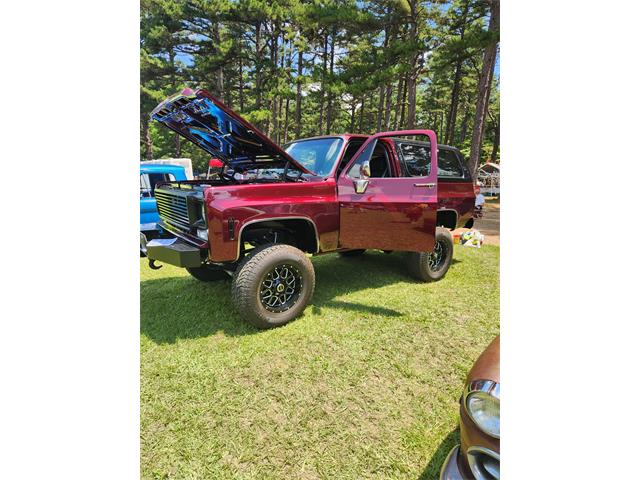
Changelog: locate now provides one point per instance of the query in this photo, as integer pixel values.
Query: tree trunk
(484, 87)
(229, 88)
(287, 53)
(496, 142)
(286, 121)
(176, 138)
(404, 103)
(457, 79)
(219, 71)
(380, 108)
(322, 82)
(353, 115)
(241, 85)
(274, 73)
(364, 100)
(299, 95)
(387, 106)
(465, 125)
(258, 71)
(396, 116)
(279, 121)
(330, 94)
(178, 146)
(148, 142)
(411, 99)
(453, 109)
(412, 76)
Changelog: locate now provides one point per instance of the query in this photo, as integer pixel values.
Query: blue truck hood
(204, 120)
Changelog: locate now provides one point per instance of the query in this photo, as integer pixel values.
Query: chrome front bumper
(480, 464)
(450, 470)
(145, 227)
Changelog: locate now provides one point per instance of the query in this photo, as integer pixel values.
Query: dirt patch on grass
(489, 224)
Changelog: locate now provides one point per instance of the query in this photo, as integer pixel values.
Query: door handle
(427, 185)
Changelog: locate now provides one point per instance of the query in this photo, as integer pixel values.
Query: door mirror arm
(360, 185)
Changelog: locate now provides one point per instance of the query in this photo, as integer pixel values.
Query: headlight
(203, 234)
(482, 402)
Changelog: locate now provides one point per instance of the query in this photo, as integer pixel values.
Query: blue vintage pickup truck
(150, 175)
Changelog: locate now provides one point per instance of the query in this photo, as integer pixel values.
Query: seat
(378, 164)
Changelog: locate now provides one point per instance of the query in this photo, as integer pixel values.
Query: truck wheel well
(294, 231)
(447, 219)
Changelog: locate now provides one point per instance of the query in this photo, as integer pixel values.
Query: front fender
(230, 209)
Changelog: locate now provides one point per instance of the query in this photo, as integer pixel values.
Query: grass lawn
(364, 385)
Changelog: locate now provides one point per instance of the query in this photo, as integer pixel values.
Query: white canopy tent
(489, 178)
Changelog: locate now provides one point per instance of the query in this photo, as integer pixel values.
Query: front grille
(173, 208)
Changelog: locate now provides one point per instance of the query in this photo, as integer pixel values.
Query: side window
(145, 186)
(465, 168)
(354, 171)
(378, 157)
(352, 148)
(449, 165)
(415, 160)
(148, 182)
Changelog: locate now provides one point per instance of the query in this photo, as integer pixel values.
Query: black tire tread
(247, 274)
(415, 259)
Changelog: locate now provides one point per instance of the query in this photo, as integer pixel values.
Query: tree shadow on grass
(432, 471)
(356, 307)
(176, 308)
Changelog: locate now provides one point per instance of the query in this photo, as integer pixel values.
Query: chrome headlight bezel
(487, 387)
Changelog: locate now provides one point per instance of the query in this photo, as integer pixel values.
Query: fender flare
(281, 218)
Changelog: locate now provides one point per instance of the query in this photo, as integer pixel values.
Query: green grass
(364, 385)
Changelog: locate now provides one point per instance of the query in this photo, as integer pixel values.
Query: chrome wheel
(280, 288)
(436, 259)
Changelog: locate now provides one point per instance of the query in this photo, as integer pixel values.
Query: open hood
(204, 120)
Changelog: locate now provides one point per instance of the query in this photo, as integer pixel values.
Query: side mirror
(365, 170)
(360, 184)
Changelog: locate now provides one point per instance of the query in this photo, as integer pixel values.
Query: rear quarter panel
(314, 200)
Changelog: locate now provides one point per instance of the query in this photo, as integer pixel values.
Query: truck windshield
(318, 156)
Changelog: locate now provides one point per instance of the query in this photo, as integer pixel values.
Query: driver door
(389, 212)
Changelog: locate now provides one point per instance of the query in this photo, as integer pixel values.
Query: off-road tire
(208, 273)
(352, 253)
(418, 262)
(249, 278)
